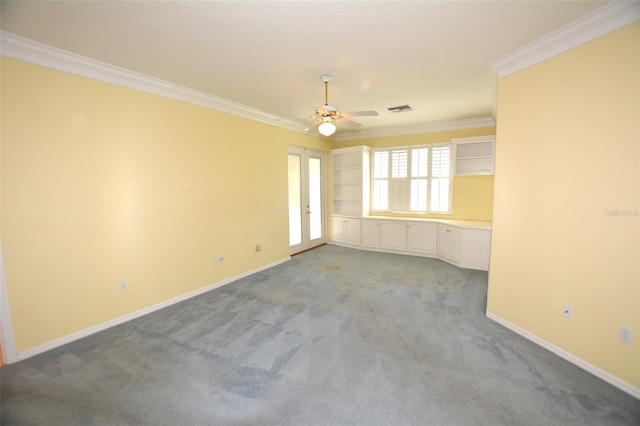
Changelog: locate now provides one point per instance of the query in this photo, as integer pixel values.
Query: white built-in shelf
(474, 156)
(350, 187)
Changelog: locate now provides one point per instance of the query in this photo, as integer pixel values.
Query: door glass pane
(295, 211)
(315, 199)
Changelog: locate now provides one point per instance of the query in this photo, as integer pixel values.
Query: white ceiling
(269, 55)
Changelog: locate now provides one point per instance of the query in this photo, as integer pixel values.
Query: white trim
(21, 48)
(439, 126)
(472, 139)
(609, 17)
(133, 315)
(6, 331)
(596, 371)
(27, 50)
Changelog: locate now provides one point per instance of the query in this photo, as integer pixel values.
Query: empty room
(320, 213)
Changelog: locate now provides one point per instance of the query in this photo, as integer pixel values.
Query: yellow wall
(472, 197)
(567, 185)
(102, 183)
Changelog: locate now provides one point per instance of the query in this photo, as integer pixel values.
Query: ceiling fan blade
(312, 126)
(348, 122)
(360, 114)
(295, 118)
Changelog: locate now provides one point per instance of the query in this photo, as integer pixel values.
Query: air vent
(400, 108)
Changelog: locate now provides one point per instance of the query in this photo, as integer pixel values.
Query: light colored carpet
(336, 336)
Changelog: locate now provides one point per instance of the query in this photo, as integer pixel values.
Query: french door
(307, 210)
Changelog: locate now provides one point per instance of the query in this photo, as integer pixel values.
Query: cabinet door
(476, 246)
(353, 232)
(454, 251)
(393, 235)
(338, 229)
(444, 241)
(422, 238)
(449, 240)
(371, 233)
(346, 230)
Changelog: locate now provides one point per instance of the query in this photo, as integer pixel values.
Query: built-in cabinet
(393, 236)
(449, 239)
(371, 234)
(349, 193)
(466, 244)
(408, 237)
(462, 243)
(466, 247)
(475, 247)
(346, 230)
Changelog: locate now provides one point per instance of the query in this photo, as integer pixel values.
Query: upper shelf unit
(474, 156)
(350, 181)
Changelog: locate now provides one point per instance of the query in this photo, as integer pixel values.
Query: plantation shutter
(380, 172)
(411, 179)
(440, 178)
(399, 188)
(419, 179)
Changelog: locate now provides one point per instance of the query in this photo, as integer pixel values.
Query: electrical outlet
(218, 259)
(258, 247)
(624, 334)
(567, 311)
(123, 285)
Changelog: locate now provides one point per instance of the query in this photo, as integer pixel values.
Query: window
(412, 179)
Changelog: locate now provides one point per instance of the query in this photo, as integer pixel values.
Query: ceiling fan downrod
(326, 79)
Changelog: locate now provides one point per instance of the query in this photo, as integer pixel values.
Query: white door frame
(305, 154)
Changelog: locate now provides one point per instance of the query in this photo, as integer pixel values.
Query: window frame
(407, 200)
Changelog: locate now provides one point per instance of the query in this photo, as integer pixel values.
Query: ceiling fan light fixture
(327, 128)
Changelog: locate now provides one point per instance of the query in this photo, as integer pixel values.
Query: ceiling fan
(327, 116)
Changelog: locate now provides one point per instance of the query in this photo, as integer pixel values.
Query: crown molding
(17, 47)
(439, 126)
(609, 17)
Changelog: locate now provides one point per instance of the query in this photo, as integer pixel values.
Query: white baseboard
(596, 371)
(133, 315)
